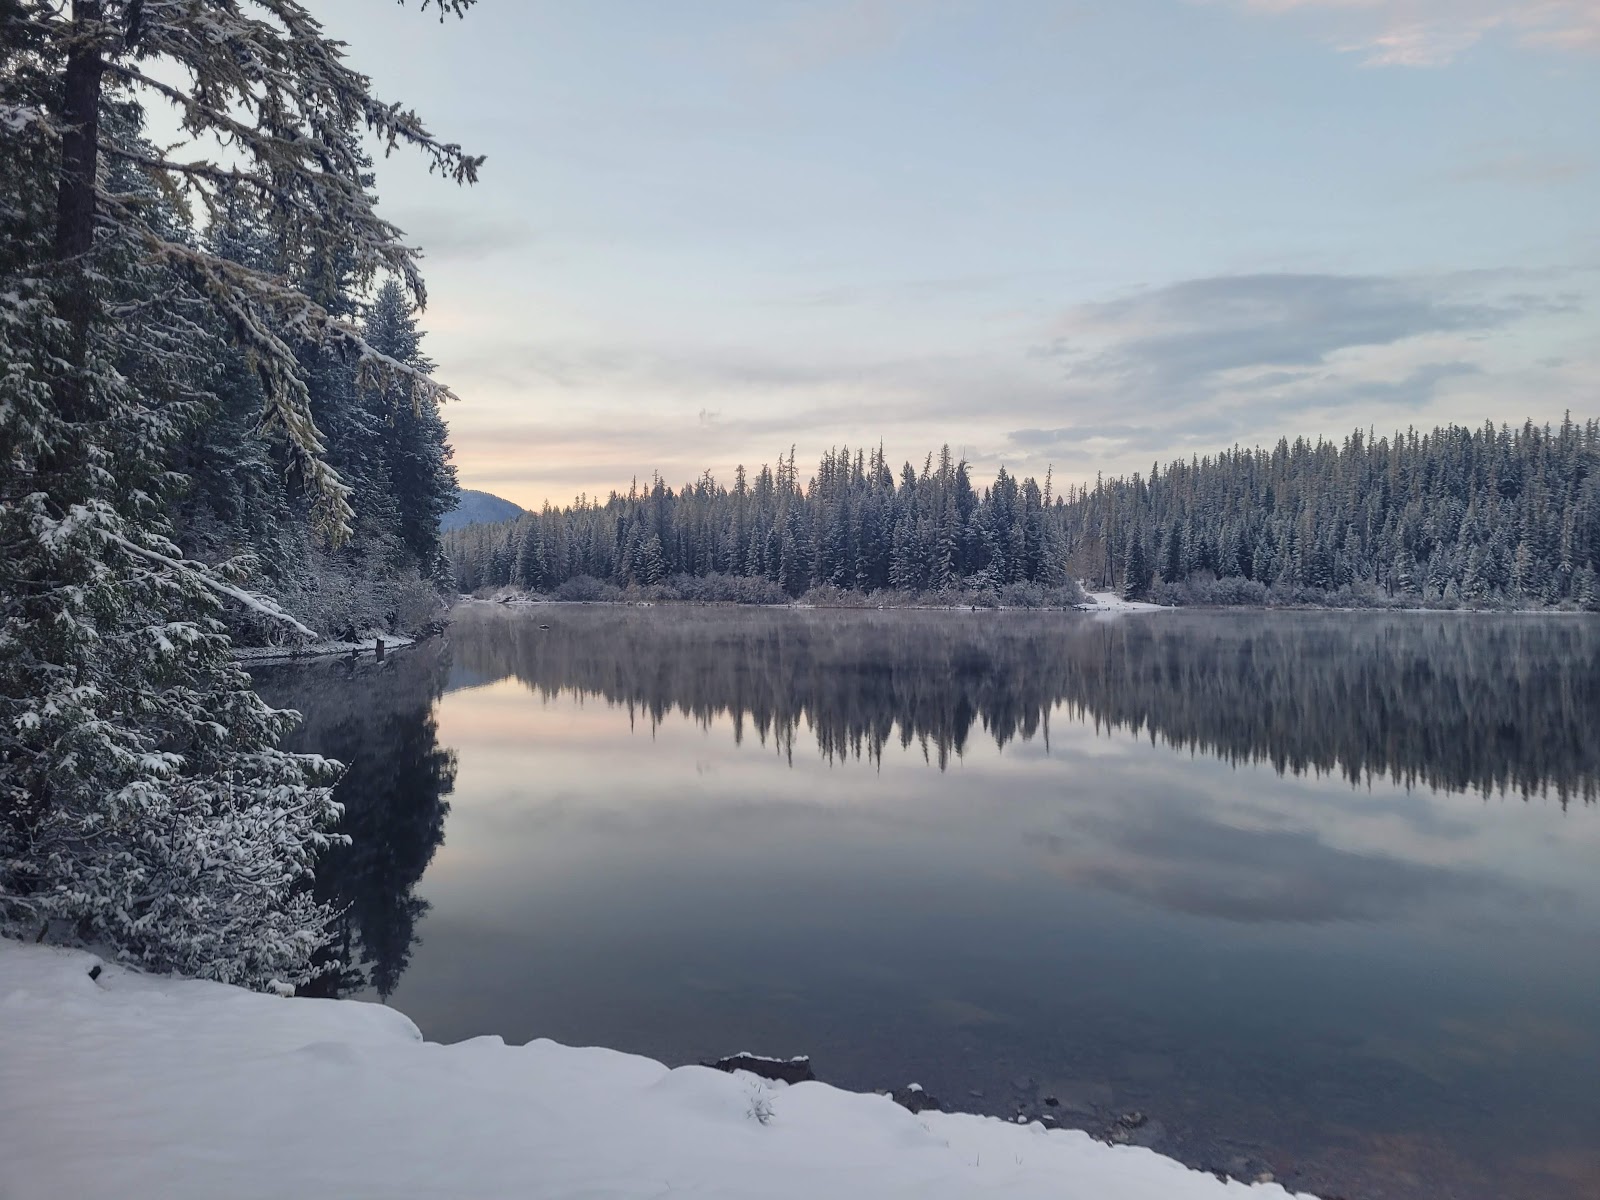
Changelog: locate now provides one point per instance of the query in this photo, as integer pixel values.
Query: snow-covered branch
(197, 571)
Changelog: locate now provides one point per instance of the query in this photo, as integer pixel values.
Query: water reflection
(1449, 701)
(1121, 863)
(1189, 863)
(378, 720)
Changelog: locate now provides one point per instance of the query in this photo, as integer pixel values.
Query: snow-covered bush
(587, 587)
(1203, 589)
(728, 589)
(827, 595)
(1033, 595)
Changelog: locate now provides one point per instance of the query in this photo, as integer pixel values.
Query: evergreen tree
(416, 440)
(143, 803)
(1137, 576)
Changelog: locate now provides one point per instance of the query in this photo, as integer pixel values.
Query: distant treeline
(854, 526)
(1455, 516)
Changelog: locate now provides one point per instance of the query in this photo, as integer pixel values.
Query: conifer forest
(1491, 515)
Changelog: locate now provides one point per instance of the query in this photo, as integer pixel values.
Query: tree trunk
(80, 146)
(75, 222)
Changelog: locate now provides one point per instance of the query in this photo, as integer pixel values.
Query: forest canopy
(1489, 515)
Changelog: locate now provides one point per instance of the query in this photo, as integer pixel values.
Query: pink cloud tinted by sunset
(1432, 33)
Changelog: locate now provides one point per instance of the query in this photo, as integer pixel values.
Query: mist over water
(1315, 891)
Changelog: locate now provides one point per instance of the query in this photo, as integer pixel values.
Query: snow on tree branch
(266, 86)
(262, 605)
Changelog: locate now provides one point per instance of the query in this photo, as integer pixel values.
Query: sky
(1080, 235)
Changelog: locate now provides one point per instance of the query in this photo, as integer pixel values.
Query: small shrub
(587, 587)
(651, 593)
(417, 604)
(1237, 591)
(760, 1110)
(1022, 595)
(728, 589)
(827, 595)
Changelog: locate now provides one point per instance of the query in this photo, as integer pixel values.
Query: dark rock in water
(1249, 1168)
(1133, 1129)
(914, 1099)
(783, 1070)
(1149, 1135)
(1081, 1097)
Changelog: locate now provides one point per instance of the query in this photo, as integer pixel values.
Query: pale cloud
(1205, 362)
(1522, 167)
(1433, 33)
(1180, 340)
(461, 234)
(1190, 366)
(819, 35)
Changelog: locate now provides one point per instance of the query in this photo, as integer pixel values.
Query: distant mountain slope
(478, 508)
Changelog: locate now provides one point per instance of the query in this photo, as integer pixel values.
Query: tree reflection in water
(378, 720)
(1455, 702)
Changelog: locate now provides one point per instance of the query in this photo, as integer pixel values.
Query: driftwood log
(783, 1070)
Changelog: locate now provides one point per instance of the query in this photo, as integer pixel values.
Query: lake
(1309, 893)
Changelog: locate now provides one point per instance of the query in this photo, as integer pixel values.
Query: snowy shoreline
(1110, 602)
(1093, 602)
(135, 1086)
(367, 644)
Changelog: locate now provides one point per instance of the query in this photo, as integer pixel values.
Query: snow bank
(1112, 602)
(135, 1087)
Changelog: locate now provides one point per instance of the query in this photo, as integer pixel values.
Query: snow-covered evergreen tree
(143, 804)
(415, 441)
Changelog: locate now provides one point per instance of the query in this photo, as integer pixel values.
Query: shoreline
(367, 645)
(1032, 1101)
(109, 1074)
(1093, 606)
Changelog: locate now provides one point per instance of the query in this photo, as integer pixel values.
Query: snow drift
(135, 1087)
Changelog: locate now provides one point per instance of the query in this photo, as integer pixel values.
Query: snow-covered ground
(134, 1087)
(1112, 602)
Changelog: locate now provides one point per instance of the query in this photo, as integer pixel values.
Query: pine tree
(143, 803)
(1588, 589)
(414, 441)
(649, 566)
(1137, 576)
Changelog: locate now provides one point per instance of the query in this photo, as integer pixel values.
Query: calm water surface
(1317, 893)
